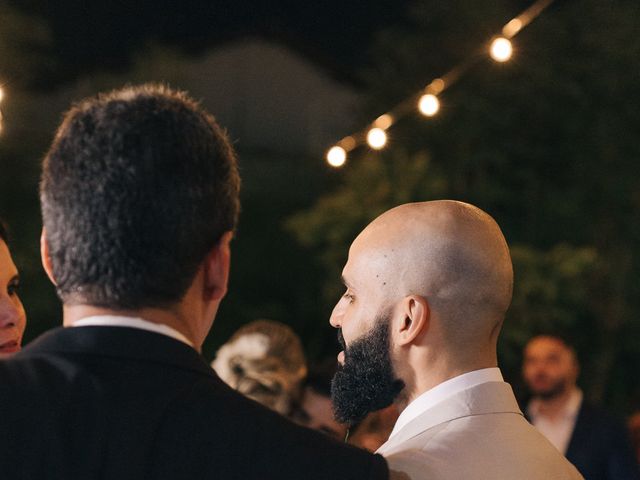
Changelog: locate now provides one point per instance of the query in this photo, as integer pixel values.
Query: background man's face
(549, 368)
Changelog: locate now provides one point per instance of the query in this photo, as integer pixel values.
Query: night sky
(103, 34)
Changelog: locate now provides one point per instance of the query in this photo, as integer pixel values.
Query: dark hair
(138, 185)
(559, 337)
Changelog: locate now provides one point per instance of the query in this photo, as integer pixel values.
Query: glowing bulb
(501, 49)
(436, 86)
(429, 105)
(1, 94)
(384, 121)
(348, 143)
(336, 156)
(376, 138)
(512, 28)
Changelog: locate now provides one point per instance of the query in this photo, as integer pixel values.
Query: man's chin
(365, 382)
(549, 393)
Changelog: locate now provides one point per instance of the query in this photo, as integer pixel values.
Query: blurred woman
(264, 361)
(12, 316)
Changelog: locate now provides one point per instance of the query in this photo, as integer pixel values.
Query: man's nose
(336, 315)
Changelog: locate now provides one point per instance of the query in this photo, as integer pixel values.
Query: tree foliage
(546, 143)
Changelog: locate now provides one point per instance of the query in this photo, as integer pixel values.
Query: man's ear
(413, 319)
(45, 257)
(216, 268)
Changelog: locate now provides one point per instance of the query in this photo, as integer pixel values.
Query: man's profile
(427, 288)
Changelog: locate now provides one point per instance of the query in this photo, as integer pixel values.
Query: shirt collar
(132, 322)
(443, 391)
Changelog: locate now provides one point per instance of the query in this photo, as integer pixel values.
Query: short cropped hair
(137, 187)
(559, 337)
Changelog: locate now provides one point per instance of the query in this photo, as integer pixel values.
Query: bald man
(427, 288)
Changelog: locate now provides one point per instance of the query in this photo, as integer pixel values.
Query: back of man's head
(455, 255)
(138, 186)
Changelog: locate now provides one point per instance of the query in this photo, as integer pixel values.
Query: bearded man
(427, 288)
(595, 442)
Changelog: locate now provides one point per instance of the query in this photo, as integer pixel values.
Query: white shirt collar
(132, 322)
(443, 391)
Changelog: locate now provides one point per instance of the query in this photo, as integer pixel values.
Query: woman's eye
(13, 288)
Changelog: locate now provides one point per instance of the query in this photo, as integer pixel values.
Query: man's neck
(171, 318)
(553, 407)
(427, 379)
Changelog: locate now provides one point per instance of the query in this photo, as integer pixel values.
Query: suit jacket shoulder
(120, 403)
(479, 433)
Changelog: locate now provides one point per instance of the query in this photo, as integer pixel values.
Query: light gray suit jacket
(479, 433)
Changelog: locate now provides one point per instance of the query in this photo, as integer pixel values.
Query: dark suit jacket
(120, 403)
(600, 447)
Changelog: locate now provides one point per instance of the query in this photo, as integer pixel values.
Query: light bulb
(429, 105)
(336, 156)
(501, 49)
(377, 138)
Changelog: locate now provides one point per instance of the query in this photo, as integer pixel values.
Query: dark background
(547, 143)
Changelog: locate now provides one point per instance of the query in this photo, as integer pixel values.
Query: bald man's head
(436, 278)
(452, 253)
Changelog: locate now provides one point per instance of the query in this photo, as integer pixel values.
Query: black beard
(366, 382)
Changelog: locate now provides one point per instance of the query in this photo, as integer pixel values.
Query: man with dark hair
(597, 444)
(139, 198)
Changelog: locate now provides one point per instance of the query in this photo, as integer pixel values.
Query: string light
(512, 28)
(336, 156)
(1, 94)
(429, 105)
(348, 143)
(501, 49)
(384, 121)
(377, 138)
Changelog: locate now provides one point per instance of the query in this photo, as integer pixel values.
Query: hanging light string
(427, 100)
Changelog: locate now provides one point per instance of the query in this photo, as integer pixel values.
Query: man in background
(591, 439)
(139, 199)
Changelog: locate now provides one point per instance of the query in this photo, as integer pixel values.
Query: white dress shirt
(558, 430)
(132, 322)
(443, 391)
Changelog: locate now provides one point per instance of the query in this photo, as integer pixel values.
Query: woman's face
(12, 316)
